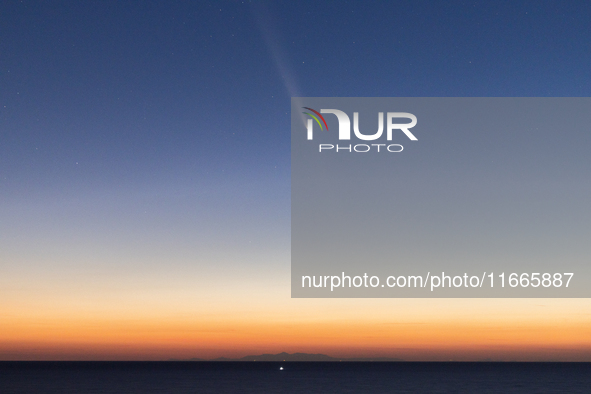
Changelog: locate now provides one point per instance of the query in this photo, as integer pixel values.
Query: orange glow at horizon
(412, 330)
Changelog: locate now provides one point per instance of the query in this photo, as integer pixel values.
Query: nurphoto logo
(345, 130)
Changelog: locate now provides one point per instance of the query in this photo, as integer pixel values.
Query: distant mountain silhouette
(296, 357)
(287, 357)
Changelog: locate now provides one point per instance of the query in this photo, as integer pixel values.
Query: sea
(293, 377)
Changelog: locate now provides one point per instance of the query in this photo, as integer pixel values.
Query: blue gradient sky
(145, 146)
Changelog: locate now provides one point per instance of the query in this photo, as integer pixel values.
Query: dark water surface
(297, 377)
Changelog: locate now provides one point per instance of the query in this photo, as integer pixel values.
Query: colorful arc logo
(316, 118)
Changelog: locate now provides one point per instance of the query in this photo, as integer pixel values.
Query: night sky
(145, 169)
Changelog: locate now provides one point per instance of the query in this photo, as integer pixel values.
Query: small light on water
(281, 368)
